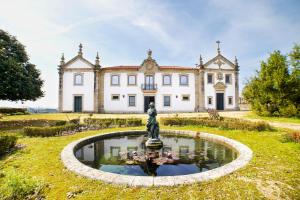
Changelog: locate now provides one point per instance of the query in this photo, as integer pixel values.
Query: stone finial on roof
(149, 53)
(62, 59)
(201, 61)
(97, 61)
(218, 49)
(236, 63)
(80, 50)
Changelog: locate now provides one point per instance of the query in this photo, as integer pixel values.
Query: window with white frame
(115, 97)
(209, 78)
(131, 100)
(167, 80)
(78, 79)
(131, 80)
(228, 79)
(185, 97)
(115, 79)
(229, 100)
(209, 100)
(184, 80)
(167, 101)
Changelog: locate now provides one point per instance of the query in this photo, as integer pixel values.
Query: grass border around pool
(73, 164)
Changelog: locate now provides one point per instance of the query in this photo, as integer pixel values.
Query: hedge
(13, 111)
(7, 142)
(113, 122)
(49, 131)
(224, 123)
(36, 122)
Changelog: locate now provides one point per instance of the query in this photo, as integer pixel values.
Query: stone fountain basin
(73, 164)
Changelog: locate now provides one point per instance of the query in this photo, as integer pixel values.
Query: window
(185, 97)
(209, 100)
(228, 78)
(78, 79)
(209, 78)
(115, 80)
(115, 97)
(115, 152)
(131, 100)
(167, 80)
(167, 101)
(184, 79)
(131, 80)
(230, 100)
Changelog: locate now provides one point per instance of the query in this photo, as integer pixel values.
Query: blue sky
(122, 31)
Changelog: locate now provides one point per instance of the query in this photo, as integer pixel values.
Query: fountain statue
(153, 141)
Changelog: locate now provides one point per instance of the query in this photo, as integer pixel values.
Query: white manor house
(88, 87)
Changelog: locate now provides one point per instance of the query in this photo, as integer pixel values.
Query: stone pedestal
(154, 143)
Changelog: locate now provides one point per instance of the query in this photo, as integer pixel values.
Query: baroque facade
(88, 87)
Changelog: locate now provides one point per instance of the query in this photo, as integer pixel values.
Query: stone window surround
(74, 79)
(230, 97)
(181, 75)
(115, 99)
(230, 79)
(163, 83)
(185, 95)
(212, 78)
(111, 79)
(211, 102)
(166, 95)
(132, 95)
(135, 82)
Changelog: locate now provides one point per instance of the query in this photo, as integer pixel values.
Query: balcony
(149, 88)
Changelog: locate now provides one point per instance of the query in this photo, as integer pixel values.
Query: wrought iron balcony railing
(149, 87)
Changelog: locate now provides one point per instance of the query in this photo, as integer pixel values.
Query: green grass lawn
(252, 115)
(273, 173)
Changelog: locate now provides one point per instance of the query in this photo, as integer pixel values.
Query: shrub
(113, 122)
(17, 186)
(7, 142)
(224, 123)
(22, 123)
(49, 131)
(293, 137)
(12, 111)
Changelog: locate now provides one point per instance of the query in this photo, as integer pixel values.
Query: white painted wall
(87, 90)
(79, 63)
(210, 91)
(121, 106)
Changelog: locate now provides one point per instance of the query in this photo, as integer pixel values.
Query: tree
(295, 74)
(19, 79)
(270, 91)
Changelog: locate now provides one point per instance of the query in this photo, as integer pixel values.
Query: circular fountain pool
(186, 157)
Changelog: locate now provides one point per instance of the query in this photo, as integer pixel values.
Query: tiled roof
(132, 67)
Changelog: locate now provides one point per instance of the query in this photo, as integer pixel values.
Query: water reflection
(193, 155)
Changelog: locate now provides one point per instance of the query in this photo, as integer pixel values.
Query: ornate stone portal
(153, 141)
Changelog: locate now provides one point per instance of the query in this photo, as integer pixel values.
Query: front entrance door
(220, 101)
(77, 103)
(147, 100)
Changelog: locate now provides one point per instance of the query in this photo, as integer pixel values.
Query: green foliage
(113, 122)
(224, 123)
(19, 187)
(49, 131)
(274, 91)
(7, 142)
(19, 79)
(36, 122)
(13, 111)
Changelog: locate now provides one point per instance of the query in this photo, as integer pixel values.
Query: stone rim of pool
(74, 165)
